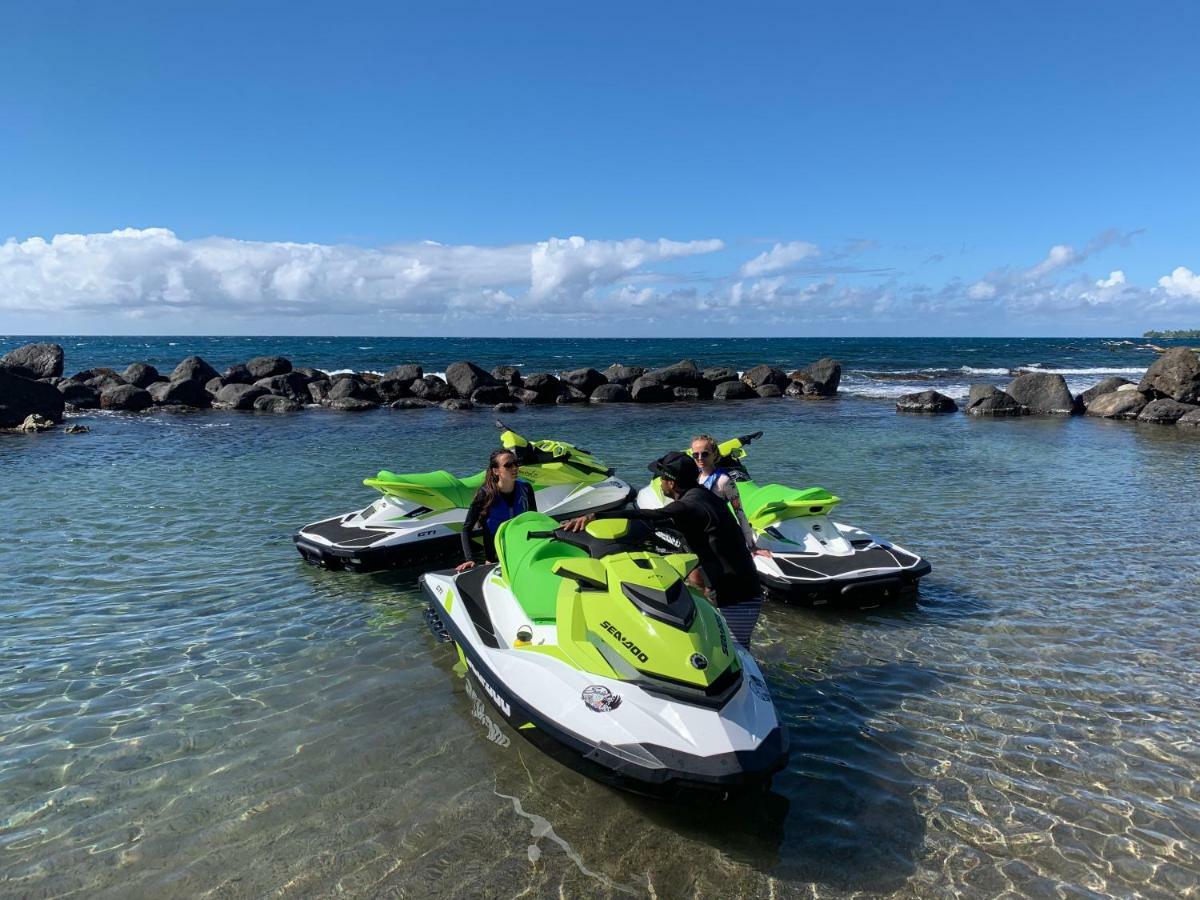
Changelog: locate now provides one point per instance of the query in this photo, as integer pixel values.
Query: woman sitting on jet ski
(717, 480)
(501, 497)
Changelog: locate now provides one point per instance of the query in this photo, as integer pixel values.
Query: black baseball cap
(677, 466)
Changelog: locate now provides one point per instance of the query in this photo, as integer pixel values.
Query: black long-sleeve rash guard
(713, 534)
(504, 507)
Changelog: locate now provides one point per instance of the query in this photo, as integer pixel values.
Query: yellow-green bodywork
(557, 463)
(560, 584)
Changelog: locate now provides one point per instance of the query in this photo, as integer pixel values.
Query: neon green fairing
(773, 503)
(559, 583)
(441, 491)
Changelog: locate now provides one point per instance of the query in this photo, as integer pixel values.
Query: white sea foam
(971, 370)
(1103, 370)
(888, 391)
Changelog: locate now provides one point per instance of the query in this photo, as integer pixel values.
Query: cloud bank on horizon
(134, 279)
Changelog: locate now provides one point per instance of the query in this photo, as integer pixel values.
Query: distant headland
(1180, 334)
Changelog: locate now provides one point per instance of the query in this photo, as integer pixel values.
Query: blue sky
(927, 168)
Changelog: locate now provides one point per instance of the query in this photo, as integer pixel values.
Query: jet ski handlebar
(747, 438)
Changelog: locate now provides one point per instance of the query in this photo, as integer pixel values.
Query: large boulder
(820, 379)
(686, 394)
(465, 378)
(409, 372)
(22, 397)
(684, 373)
(390, 389)
(215, 384)
(1189, 420)
(238, 374)
(764, 374)
(570, 394)
(611, 393)
(127, 397)
(586, 380)
(715, 375)
(733, 390)
(193, 368)
(310, 373)
(521, 395)
(180, 393)
(79, 395)
(104, 381)
(430, 388)
(34, 361)
(238, 396)
(989, 400)
(412, 403)
(141, 375)
(268, 366)
(1107, 386)
(318, 391)
(457, 404)
(626, 375)
(1175, 375)
(490, 394)
(509, 375)
(1043, 393)
(293, 385)
(768, 391)
(926, 402)
(545, 386)
(351, 388)
(1117, 405)
(651, 390)
(272, 403)
(88, 374)
(1165, 411)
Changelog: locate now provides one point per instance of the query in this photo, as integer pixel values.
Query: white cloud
(1114, 278)
(147, 272)
(981, 290)
(1182, 282)
(1059, 257)
(778, 258)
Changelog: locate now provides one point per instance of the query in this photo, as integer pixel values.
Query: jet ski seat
(770, 504)
(436, 490)
(526, 564)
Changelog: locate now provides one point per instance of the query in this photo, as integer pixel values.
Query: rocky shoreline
(34, 394)
(1168, 394)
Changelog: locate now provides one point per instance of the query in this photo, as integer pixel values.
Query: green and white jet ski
(594, 648)
(420, 516)
(814, 559)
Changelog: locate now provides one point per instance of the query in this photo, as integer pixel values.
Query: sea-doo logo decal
(629, 645)
(760, 689)
(500, 702)
(598, 698)
(699, 661)
(721, 629)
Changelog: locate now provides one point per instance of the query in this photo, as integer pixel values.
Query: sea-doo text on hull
(420, 516)
(814, 559)
(595, 650)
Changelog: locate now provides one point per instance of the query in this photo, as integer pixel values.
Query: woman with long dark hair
(501, 497)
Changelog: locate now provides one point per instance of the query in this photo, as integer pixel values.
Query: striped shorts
(741, 619)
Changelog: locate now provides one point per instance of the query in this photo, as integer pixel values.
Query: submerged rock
(272, 403)
(457, 404)
(35, 422)
(413, 403)
(353, 404)
(926, 402)
(1043, 393)
(1175, 376)
(76, 429)
(505, 407)
(34, 361)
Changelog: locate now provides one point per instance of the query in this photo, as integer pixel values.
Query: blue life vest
(502, 510)
(711, 481)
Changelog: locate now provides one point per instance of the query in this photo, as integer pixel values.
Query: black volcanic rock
(929, 402)
(193, 368)
(141, 375)
(22, 397)
(34, 361)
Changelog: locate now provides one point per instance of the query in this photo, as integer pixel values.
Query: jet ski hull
(580, 740)
(367, 541)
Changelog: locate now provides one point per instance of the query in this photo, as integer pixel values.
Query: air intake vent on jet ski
(674, 606)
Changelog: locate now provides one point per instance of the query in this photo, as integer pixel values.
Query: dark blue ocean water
(187, 709)
(873, 367)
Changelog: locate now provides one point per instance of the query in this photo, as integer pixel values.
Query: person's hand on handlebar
(463, 566)
(579, 523)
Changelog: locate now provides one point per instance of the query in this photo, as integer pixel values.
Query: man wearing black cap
(711, 532)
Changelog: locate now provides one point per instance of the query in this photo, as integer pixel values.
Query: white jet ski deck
(594, 649)
(420, 516)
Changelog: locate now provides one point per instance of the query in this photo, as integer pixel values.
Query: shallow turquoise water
(186, 709)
